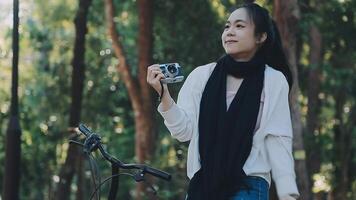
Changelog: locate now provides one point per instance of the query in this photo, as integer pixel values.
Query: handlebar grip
(85, 130)
(158, 173)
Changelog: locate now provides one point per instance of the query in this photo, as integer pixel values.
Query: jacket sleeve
(279, 149)
(279, 142)
(279, 120)
(181, 118)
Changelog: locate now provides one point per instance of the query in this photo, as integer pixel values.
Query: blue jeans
(258, 190)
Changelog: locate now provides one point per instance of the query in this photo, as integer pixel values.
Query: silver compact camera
(172, 73)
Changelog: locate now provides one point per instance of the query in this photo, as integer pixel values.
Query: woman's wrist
(166, 100)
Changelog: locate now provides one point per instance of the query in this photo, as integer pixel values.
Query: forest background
(85, 61)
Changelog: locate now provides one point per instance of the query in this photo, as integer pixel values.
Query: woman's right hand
(154, 75)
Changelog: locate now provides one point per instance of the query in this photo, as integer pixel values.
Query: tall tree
(313, 68)
(339, 89)
(13, 134)
(145, 131)
(73, 158)
(314, 84)
(344, 125)
(286, 14)
(342, 131)
(139, 91)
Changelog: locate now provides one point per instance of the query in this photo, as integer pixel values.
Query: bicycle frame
(93, 142)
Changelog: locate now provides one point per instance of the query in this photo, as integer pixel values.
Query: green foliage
(45, 85)
(337, 25)
(187, 32)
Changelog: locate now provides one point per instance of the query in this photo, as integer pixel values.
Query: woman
(235, 113)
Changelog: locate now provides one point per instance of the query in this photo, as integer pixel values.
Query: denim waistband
(255, 179)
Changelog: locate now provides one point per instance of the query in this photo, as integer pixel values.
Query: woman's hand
(154, 75)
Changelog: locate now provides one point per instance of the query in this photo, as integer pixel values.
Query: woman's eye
(239, 26)
(227, 26)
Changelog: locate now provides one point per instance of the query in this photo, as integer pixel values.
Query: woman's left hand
(287, 197)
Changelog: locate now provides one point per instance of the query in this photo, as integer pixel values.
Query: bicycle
(92, 143)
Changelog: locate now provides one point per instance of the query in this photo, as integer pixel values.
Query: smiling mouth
(230, 41)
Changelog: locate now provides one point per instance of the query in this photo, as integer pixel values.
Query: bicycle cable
(94, 172)
(107, 179)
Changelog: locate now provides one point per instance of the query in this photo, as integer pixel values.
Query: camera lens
(172, 69)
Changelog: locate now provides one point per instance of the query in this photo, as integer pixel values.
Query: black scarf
(225, 136)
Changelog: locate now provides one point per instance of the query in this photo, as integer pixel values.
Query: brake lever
(91, 143)
(77, 143)
(140, 176)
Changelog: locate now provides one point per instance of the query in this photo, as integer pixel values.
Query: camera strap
(160, 96)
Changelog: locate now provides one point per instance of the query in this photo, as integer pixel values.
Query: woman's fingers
(152, 71)
(155, 72)
(155, 82)
(153, 68)
(154, 75)
(159, 76)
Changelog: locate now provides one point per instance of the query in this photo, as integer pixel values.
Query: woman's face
(238, 38)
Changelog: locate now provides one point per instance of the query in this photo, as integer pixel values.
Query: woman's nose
(230, 32)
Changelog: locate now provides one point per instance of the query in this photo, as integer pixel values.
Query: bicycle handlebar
(158, 173)
(94, 142)
(85, 130)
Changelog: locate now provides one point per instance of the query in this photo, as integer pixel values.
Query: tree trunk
(287, 15)
(81, 182)
(314, 82)
(343, 146)
(145, 128)
(139, 91)
(144, 146)
(13, 135)
(68, 170)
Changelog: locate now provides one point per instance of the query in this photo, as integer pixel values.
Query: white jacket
(272, 141)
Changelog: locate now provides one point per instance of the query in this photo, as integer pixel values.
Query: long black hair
(271, 49)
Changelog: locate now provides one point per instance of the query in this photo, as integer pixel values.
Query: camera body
(172, 73)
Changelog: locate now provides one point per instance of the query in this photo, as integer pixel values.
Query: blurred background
(63, 62)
